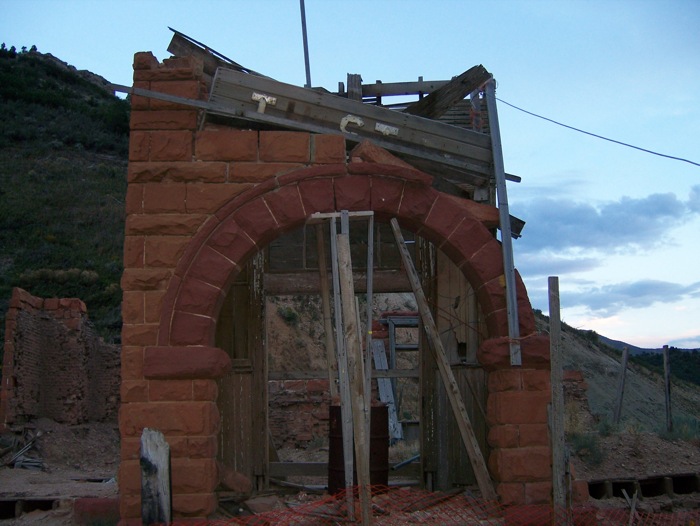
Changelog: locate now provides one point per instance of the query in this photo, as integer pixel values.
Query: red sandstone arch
(253, 219)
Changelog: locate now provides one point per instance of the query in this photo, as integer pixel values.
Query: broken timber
(264, 100)
(455, 397)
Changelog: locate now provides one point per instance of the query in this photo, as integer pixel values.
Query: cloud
(608, 300)
(534, 264)
(694, 199)
(686, 342)
(564, 225)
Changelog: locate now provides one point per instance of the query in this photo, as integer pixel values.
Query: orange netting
(393, 506)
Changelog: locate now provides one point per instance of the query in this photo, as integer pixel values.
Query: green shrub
(289, 315)
(586, 447)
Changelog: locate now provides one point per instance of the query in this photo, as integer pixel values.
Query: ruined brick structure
(201, 202)
(55, 365)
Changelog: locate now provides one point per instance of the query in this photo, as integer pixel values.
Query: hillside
(63, 157)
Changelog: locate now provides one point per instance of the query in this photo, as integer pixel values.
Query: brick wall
(202, 199)
(55, 365)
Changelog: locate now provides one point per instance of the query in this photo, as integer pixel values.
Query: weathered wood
(308, 282)
(389, 89)
(155, 478)
(354, 87)
(557, 413)
(453, 393)
(326, 307)
(621, 386)
(356, 372)
(667, 389)
(506, 239)
(343, 375)
(440, 100)
(323, 374)
(232, 91)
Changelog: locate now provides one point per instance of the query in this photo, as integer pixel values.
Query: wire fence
(392, 506)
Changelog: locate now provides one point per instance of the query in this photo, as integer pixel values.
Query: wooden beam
(440, 100)
(506, 238)
(455, 397)
(389, 89)
(308, 282)
(321, 374)
(556, 414)
(356, 373)
(326, 307)
(343, 376)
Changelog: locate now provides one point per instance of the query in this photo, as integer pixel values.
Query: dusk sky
(618, 226)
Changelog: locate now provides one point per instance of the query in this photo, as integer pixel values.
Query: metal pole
(306, 44)
(504, 216)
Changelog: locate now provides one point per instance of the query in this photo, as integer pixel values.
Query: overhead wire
(598, 136)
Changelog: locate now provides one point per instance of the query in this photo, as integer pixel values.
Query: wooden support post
(465, 427)
(504, 219)
(356, 373)
(556, 414)
(326, 307)
(343, 378)
(621, 386)
(155, 478)
(667, 389)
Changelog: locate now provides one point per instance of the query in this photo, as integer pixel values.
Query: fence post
(667, 389)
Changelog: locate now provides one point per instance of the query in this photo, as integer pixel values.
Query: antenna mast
(306, 44)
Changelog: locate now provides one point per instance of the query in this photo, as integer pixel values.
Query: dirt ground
(79, 461)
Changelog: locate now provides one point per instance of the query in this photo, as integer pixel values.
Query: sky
(619, 227)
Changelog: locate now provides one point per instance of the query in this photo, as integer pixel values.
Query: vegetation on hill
(63, 158)
(685, 365)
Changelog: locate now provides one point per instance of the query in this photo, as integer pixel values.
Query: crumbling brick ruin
(55, 365)
(203, 199)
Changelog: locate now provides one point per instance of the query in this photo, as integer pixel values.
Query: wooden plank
(155, 478)
(326, 308)
(234, 90)
(386, 392)
(390, 89)
(354, 87)
(478, 172)
(453, 393)
(506, 239)
(356, 373)
(308, 282)
(322, 374)
(621, 386)
(440, 100)
(557, 412)
(343, 375)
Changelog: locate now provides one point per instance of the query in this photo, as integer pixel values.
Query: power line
(598, 136)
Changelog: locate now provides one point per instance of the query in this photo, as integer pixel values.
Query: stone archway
(201, 201)
(250, 221)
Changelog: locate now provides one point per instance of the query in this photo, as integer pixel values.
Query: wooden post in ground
(155, 478)
(343, 376)
(621, 385)
(460, 411)
(667, 389)
(556, 415)
(360, 408)
(326, 306)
